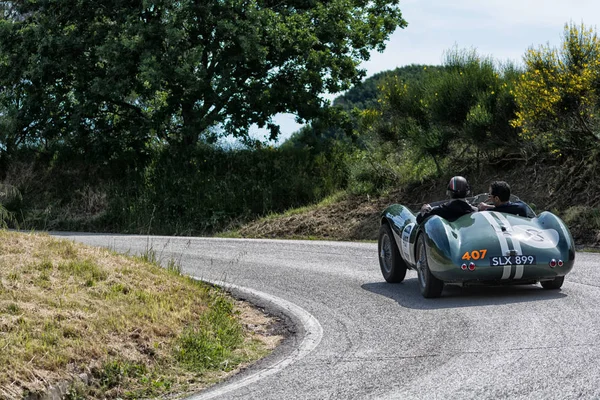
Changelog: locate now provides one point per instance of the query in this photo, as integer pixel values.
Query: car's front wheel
(430, 285)
(393, 267)
(555, 283)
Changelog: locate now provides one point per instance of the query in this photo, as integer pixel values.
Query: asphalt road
(362, 338)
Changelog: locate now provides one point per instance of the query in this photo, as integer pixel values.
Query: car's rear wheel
(556, 283)
(430, 285)
(391, 263)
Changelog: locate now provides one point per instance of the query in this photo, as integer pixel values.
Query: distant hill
(365, 94)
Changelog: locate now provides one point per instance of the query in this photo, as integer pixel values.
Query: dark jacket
(517, 208)
(451, 210)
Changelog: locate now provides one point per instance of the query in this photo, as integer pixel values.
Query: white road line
(313, 333)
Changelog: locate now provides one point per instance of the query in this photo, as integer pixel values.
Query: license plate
(496, 261)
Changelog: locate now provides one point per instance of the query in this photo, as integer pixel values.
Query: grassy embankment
(135, 330)
(571, 193)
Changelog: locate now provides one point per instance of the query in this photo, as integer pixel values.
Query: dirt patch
(260, 325)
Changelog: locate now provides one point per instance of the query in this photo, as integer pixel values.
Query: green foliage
(385, 166)
(117, 160)
(364, 95)
(103, 105)
(470, 99)
(202, 192)
(8, 194)
(13, 308)
(112, 79)
(212, 188)
(107, 382)
(558, 94)
(115, 371)
(211, 342)
(5, 217)
(459, 109)
(584, 222)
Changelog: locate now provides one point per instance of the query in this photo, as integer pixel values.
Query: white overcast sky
(502, 29)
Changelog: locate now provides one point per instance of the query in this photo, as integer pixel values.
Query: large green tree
(108, 72)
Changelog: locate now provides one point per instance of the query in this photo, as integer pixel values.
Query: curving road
(362, 338)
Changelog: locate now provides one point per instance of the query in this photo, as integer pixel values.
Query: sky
(501, 29)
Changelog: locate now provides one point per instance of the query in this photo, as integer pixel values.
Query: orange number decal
(475, 254)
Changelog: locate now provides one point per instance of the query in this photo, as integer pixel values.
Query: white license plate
(498, 261)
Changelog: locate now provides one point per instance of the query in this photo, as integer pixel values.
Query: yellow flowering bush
(557, 95)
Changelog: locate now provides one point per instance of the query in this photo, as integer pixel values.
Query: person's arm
(424, 213)
(443, 210)
(425, 208)
(484, 206)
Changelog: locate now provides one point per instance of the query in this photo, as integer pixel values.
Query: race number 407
(474, 255)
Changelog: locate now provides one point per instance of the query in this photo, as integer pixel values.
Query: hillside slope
(570, 192)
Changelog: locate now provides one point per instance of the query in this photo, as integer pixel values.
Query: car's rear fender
(566, 244)
(402, 222)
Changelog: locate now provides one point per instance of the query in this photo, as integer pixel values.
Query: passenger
(499, 194)
(458, 189)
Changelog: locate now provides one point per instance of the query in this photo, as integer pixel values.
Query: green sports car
(481, 248)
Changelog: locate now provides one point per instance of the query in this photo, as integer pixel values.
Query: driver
(458, 189)
(499, 194)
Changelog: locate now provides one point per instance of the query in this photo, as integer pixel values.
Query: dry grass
(349, 218)
(67, 309)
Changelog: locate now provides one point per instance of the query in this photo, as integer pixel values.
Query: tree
(558, 95)
(179, 69)
(461, 108)
(473, 97)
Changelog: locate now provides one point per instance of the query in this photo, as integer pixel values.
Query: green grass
(140, 330)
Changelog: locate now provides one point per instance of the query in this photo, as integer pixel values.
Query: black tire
(430, 286)
(556, 283)
(391, 263)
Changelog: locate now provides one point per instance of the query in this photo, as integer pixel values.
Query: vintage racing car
(482, 248)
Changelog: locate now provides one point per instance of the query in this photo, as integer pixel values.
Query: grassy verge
(135, 329)
(271, 218)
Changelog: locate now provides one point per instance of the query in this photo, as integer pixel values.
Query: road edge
(307, 336)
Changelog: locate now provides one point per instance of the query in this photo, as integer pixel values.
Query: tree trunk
(189, 136)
